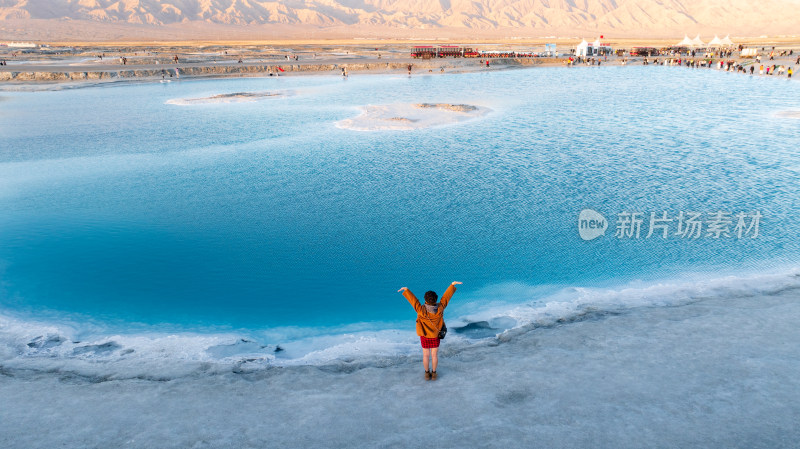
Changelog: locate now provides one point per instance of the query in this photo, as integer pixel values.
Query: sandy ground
(719, 372)
(91, 63)
(625, 42)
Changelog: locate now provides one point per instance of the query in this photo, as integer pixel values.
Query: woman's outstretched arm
(411, 299)
(449, 293)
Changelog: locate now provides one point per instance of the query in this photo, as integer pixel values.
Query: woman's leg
(434, 358)
(426, 354)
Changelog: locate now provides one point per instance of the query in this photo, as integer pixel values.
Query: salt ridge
(235, 97)
(406, 116)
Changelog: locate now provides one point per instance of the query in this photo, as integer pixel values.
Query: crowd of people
(720, 59)
(729, 66)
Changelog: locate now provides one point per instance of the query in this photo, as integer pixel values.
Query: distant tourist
(430, 325)
(789, 72)
(409, 70)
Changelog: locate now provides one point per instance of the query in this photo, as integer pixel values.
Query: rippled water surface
(121, 207)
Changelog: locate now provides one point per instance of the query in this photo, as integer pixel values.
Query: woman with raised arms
(430, 321)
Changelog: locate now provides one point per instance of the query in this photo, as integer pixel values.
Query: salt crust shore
(717, 372)
(155, 72)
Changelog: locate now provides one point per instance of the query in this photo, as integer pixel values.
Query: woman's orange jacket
(430, 317)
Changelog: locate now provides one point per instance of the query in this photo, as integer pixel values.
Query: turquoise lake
(123, 209)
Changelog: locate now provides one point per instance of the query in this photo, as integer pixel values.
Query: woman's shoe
(433, 375)
(428, 375)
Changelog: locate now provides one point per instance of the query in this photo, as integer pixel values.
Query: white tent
(726, 40)
(697, 42)
(582, 48)
(715, 42)
(686, 42)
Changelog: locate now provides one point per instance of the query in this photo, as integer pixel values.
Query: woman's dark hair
(431, 297)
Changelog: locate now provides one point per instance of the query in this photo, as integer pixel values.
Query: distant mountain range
(395, 17)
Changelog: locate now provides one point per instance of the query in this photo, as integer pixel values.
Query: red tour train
(442, 51)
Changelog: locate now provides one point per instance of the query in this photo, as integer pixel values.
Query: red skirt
(428, 343)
